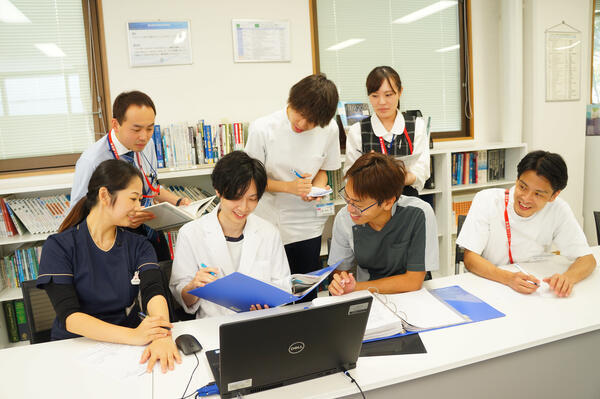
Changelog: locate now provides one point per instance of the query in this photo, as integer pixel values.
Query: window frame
(466, 71)
(98, 72)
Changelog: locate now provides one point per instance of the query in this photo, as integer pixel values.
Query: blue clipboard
(468, 305)
(238, 291)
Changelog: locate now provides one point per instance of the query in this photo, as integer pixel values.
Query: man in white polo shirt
(523, 223)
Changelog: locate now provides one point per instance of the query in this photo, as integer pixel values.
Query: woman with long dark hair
(93, 270)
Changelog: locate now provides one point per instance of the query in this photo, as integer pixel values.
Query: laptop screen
(275, 350)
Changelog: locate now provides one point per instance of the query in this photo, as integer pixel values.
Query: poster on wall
(256, 40)
(159, 43)
(563, 63)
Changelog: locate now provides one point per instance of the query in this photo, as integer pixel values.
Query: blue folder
(468, 305)
(238, 291)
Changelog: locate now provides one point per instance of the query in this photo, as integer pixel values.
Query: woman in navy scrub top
(93, 270)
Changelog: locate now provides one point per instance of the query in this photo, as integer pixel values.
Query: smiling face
(126, 202)
(385, 100)
(532, 193)
(234, 213)
(298, 122)
(137, 127)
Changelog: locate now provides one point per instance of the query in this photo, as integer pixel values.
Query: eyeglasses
(352, 208)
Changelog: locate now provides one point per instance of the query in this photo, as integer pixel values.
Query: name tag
(325, 209)
(136, 279)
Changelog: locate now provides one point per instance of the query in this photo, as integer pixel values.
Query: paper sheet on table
(115, 360)
(422, 309)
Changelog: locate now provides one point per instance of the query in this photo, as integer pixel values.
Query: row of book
(17, 328)
(38, 215)
(182, 145)
(335, 180)
(478, 166)
(21, 266)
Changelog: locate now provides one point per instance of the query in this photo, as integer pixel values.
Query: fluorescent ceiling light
(424, 12)
(446, 49)
(566, 47)
(11, 14)
(344, 44)
(50, 49)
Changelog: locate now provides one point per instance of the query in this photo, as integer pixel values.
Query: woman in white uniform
(298, 144)
(229, 239)
(400, 134)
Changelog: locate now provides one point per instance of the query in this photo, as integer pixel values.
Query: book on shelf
(22, 326)
(11, 321)
(460, 206)
(430, 182)
(38, 215)
(478, 167)
(184, 145)
(20, 266)
(168, 215)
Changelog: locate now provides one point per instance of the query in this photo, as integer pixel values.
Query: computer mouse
(188, 344)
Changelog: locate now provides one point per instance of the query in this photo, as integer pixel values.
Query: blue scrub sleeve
(56, 262)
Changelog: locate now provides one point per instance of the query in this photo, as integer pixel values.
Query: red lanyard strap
(506, 222)
(115, 154)
(382, 145)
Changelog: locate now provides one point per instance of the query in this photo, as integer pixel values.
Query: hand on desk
(163, 349)
(342, 283)
(258, 307)
(523, 283)
(561, 285)
(138, 218)
(150, 329)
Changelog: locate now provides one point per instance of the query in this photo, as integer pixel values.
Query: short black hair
(315, 97)
(548, 165)
(233, 173)
(377, 176)
(127, 99)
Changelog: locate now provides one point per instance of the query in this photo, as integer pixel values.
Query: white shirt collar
(381, 131)
(121, 149)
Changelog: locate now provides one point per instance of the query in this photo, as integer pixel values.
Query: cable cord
(190, 380)
(352, 380)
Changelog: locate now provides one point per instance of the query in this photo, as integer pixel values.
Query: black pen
(143, 315)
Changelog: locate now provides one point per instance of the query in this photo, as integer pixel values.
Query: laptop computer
(276, 350)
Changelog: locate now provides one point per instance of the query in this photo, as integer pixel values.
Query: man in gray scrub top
(392, 238)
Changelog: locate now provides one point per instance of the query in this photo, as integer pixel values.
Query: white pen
(523, 271)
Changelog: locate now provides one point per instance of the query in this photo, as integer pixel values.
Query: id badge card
(325, 209)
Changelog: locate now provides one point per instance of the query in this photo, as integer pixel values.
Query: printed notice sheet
(563, 66)
(261, 40)
(159, 43)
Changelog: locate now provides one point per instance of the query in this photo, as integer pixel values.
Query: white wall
(556, 126)
(213, 87)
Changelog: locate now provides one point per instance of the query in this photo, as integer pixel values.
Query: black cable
(352, 380)
(190, 380)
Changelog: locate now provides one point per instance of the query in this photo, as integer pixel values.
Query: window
(422, 39)
(46, 110)
(595, 96)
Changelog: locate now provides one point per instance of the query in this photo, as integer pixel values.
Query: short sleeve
(56, 262)
(255, 146)
(353, 146)
(341, 246)
(475, 231)
(415, 260)
(332, 159)
(145, 256)
(568, 236)
(432, 250)
(83, 172)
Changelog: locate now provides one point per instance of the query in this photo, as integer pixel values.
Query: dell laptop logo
(296, 348)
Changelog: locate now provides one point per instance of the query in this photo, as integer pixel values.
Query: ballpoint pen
(204, 266)
(295, 172)
(143, 315)
(523, 271)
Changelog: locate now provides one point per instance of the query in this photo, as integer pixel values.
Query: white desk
(545, 347)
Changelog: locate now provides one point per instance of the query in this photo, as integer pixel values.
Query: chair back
(176, 312)
(39, 312)
(459, 252)
(597, 219)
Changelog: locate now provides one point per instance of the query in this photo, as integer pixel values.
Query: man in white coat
(229, 239)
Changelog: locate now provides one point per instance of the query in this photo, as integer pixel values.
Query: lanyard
(508, 235)
(113, 150)
(385, 150)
